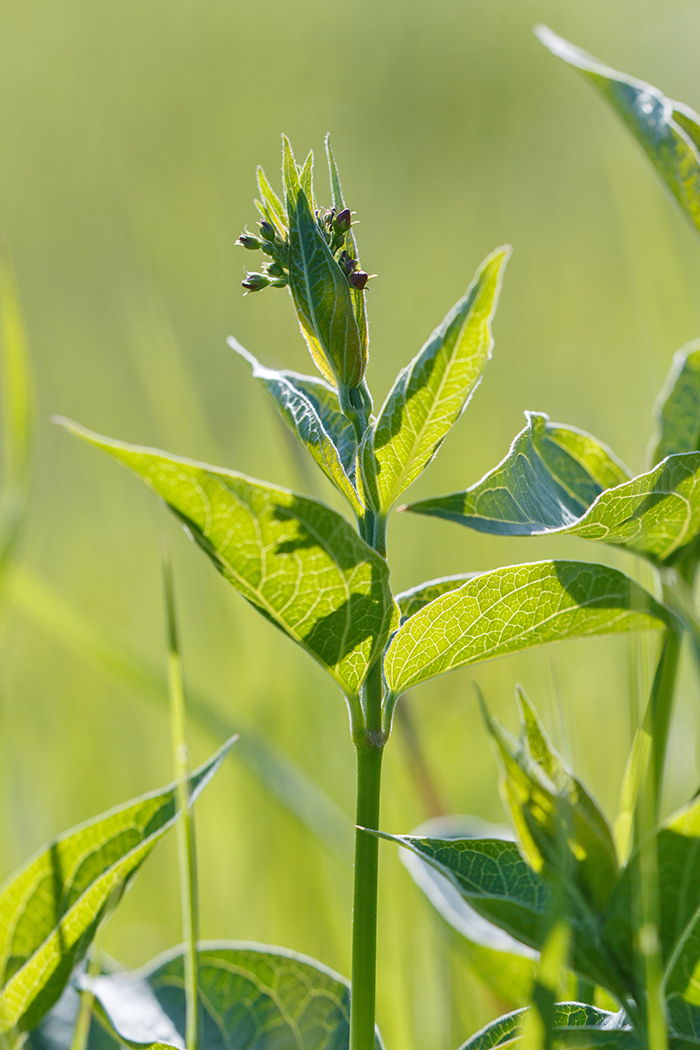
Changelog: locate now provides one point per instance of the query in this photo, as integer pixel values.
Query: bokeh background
(129, 135)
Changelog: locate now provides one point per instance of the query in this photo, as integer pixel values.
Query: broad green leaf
(16, 409)
(298, 562)
(50, 910)
(358, 296)
(516, 608)
(656, 514)
(321, 291)
(413, 600)
(494, 879)
(431, 393)
(683, 1016)
(305, 418)
(503, 963)
(270, 206)
(562, 832)
(55, 1031)
(251, 996)
(678, 857)
(666, 130)
(567, 1016)
(677, 411)
(550, 477)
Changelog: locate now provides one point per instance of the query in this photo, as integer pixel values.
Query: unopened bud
(359, 279)
(347, 263)
(342, 221)
(268, 230)
(254, 282)
(275, 270)
(247, 240)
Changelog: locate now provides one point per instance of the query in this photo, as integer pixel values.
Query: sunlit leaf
(516, 608)
(321, 291)
(575, 1024)
(430, 394)
(561, 830)
(298, 562)
(310, 419)
(503, 963)
(51, 909)
(251, 996)
(495, 880)
(677, 411)
(667, 131)
(413, 600)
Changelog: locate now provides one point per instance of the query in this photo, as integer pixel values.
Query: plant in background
(589, 905)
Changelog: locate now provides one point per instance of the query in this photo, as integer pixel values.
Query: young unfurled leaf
(677, 411)
(298, 562)
(562, 832)
(50, 911)
(668, 131)
(516, 608)
(656, 514)
(550, 477)
(678, 853)
(500, 961)
(431, 393)
(494, 879)
(574, 1024)
(251, 996)
(336, 337)
(332, 443)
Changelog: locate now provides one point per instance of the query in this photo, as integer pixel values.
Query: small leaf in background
(516, 608)
(321, 291)
(310, 420)
(431, 393)
(298, 562)
(50, 911)
(252, 996)
(677, 411)
(668, 131)
(504, 964)
(550, 477)
(574, 1024)
(553, 814)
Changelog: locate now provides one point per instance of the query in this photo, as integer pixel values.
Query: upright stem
(660, 708)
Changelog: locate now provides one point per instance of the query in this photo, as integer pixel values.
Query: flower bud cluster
(335, 227)
(274, 274)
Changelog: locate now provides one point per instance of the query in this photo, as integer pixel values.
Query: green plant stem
(185, 825)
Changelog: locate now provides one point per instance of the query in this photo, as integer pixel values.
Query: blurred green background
(129, 135)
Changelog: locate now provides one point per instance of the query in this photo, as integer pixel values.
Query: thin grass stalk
(185, 825)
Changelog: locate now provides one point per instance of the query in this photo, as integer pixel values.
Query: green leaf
(516, 608)
(321, 291)
(251, 996)
(415, 599)
(656, 515)
(502, 962)
(494, 879)
(51, 909)
(550, 477)
(578, 1020)
(270, 206)
(431, 393)
(667, 131)
(562, 832)
(677, 845)
(315, 426)
(677, 411)
(298, 562)
(358, 296)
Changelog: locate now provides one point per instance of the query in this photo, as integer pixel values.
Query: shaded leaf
(314, 425)
(431, 393)
(321, 291)
(550, 477)
(251, 996)
(503, 963)
(677, 411)
(515, 608)
(562, 832)
(51, 909)
(666, 130)
(298, 562)
(494, 879)
(656, 514)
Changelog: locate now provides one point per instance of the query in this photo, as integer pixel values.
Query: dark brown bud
(247, 240)
(268, 230)
(342, 221)
(358, 279)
